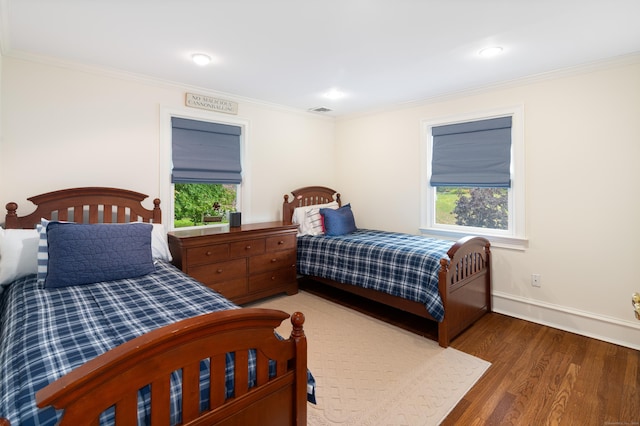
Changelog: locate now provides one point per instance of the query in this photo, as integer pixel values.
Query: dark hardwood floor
(539, 375)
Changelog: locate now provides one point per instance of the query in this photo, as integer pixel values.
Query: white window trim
(166, 187)
(515, 237)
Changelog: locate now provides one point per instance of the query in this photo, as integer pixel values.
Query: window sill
(208, 225)
(512, 243)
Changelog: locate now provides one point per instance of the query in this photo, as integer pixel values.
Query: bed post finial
(157, 213)
(297, 320)
(11, 219)
(338, 199)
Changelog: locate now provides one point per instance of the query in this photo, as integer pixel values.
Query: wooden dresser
(243, 263)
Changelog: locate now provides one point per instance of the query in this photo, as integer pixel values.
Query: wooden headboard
(86, 205)
(307, 196)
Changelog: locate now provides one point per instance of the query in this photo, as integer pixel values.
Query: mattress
(399, 264)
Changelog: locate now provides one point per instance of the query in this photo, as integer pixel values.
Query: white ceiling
(380, 53)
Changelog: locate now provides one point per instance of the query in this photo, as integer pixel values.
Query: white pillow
(316, 222)
(18, 254)
(159, 244)
(304, 223)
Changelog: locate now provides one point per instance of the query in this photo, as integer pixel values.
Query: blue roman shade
(475, 154)
(204, 152)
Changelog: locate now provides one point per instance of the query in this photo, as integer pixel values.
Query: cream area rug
(369, 372)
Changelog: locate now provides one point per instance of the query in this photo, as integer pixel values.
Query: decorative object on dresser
(85, 347)
(235, 219)
(444, 281)
(243, 263)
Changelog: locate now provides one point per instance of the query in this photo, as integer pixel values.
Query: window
(473, 177)
(206, 170)
(198, 204)
(202, 157)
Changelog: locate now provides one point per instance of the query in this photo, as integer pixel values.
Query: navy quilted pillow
(84, 254)
(338, 222)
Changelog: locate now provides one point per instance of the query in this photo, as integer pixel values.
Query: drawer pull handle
(273, 278)
(274, 260)
(248, 247)
(208, 253)
(280, 242)
(219, 271)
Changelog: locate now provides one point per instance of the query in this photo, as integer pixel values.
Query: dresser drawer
(207, 254)
(247, 248)
(281, 242)
(271, 261)
(270, 279)
(219, 272)
(231, 289)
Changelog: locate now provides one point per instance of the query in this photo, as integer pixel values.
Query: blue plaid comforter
(45, 333)
(403, 265)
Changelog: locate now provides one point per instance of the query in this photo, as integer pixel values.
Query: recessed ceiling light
(489, 52)
(334, 94)
(201, 59)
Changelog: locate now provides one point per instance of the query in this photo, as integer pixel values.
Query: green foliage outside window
(192, 201)
(477, 207)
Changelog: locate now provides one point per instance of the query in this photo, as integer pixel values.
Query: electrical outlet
(535, 280)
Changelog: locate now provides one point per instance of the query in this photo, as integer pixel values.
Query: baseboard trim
(601, 327)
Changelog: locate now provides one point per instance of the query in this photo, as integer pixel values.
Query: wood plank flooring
(539, 375)
(544, 376)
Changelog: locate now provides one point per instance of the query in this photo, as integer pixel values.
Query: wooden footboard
(115, 377)
(465, 286)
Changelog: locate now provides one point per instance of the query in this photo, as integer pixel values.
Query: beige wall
(582, 139)
(65, 127)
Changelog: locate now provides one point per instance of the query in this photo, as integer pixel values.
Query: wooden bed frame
(464, 277)
(115, 376)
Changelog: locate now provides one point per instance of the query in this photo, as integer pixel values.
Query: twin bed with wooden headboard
(98, 326)
(444, 281)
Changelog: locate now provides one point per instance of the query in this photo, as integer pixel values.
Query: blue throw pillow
(84, 254)
(338, 222)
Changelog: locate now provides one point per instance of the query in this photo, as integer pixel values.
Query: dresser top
(204, 231)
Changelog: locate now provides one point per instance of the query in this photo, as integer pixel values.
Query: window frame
(167, 187)
(514, 237)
